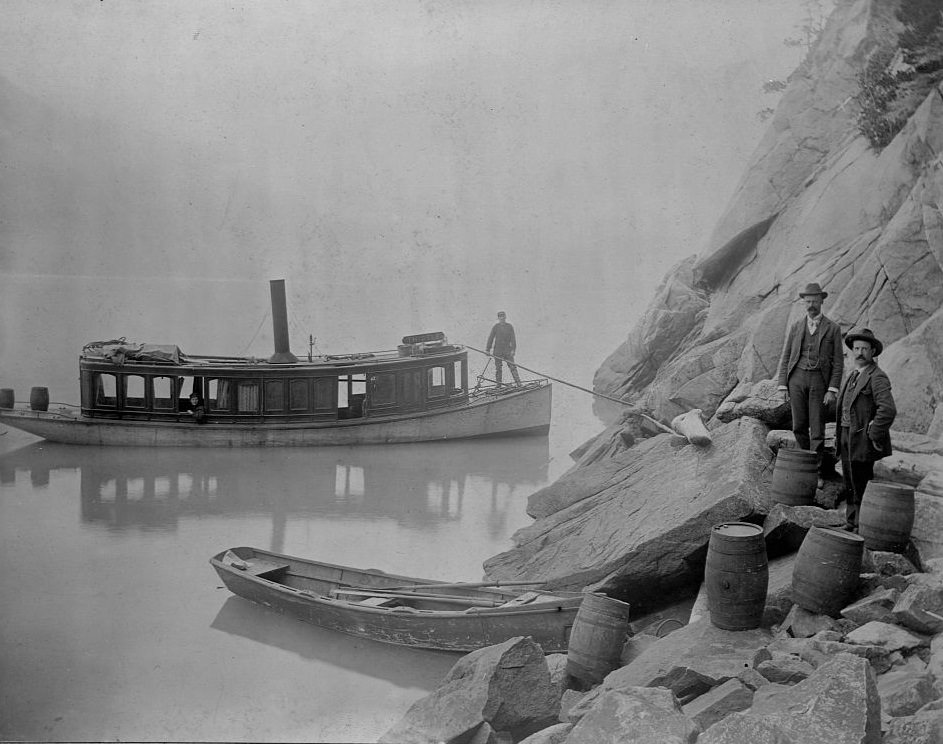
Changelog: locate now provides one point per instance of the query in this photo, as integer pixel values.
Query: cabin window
(187, 386)
(163, 393)
(218, 392)
(323, 392)
(134, 391)
(411, 387)
(247, 396)
(435, 381)
(384, 389)
(458, 377)
(274, 395)
(298, 395)
(351, 394)
(106, 391)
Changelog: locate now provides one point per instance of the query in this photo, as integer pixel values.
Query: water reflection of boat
(401, 610)
(411, 483)
(156, 396)
(405, 667)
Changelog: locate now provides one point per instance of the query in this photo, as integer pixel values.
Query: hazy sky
(532, 155)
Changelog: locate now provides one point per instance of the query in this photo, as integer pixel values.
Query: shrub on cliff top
(895, 81)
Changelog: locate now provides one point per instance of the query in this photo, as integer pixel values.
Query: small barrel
(599, 632)
(736, 576)
(827, 570)
(795, 477)
(6, 397)
(887, 516)
(39, 399)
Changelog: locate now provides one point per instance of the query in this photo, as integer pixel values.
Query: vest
(809, 354)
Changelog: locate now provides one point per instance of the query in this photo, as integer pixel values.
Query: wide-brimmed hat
(813, 289)
(865, 334)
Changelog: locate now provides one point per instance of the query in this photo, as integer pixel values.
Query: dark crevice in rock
(718, 268)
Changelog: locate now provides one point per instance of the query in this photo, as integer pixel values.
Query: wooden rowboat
(401, 610)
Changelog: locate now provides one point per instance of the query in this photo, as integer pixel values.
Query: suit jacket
(872, 413)
(831, 354)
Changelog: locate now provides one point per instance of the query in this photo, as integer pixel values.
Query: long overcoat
(872, 413)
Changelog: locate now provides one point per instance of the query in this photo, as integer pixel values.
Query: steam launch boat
(155, 396)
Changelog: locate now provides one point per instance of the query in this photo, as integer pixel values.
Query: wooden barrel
(887, 516)
(597, 637)
(795, 477)
(736, 576)
(39, 399)
(6, 398)
(827, 570)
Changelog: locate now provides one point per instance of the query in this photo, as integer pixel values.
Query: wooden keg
(599, 632)
(736, 575)
(6, 397)
(39, 399)
(795, 477)
(827, 570)
(887, 516)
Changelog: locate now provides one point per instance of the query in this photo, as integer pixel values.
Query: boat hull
(516, 412)
(548, 623)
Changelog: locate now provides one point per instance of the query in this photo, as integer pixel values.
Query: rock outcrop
(817, 203)
(638, 524)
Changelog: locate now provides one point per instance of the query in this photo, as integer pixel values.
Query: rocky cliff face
(817, 203)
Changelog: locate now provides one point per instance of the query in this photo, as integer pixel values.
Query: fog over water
(405, 167)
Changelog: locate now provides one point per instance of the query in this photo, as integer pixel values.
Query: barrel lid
(839, 534)
(889, 486)
(738, 529)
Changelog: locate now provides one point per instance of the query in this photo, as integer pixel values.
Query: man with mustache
(865, 413)
(810, 371)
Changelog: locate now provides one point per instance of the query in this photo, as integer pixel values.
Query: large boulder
(691, 660)
(637, 715)
(506, 686)
(838, 704)
(639, 523)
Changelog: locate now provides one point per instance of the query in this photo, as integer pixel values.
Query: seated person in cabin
(195, 408)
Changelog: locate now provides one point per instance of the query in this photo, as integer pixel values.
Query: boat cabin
(133, 381)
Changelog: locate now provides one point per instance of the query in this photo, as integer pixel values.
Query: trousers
(508, 359)
(806, 396)
(856, 474)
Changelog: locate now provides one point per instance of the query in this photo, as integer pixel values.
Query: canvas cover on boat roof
(120, 351)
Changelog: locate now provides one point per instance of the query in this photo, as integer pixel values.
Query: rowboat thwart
(396, 609)
(141, 394)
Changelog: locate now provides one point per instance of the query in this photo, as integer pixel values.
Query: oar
(455, 585)
(466, 601)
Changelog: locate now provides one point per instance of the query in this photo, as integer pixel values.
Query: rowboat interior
(374, 589)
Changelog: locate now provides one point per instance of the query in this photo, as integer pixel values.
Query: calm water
(115, 626)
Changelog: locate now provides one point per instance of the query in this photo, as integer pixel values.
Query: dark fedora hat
(865, 334)
(813, 289)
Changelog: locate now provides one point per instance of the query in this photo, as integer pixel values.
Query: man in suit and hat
(810, 372)
(864, 415)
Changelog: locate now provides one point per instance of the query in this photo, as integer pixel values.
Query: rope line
(629, 406)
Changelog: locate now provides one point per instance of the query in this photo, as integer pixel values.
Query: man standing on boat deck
(865, 413)
(810, 372)
(505, 344)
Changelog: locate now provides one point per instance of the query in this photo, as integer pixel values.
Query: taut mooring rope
(630, 408)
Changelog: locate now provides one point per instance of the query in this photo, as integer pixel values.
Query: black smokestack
(282, 353)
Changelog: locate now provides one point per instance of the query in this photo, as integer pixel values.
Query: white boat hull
(514, 412)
